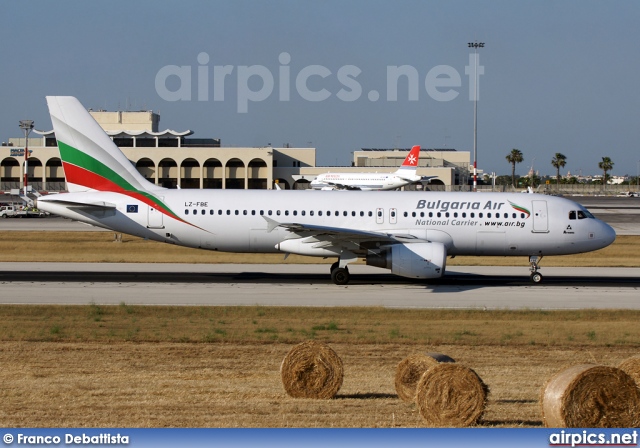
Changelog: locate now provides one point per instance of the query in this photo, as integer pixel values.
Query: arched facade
(190, 174)
(258, 175)
(212, 176)
(167, 173)
(235, 174)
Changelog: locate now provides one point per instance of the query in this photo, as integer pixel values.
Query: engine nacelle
(306, 246)
(415, 260)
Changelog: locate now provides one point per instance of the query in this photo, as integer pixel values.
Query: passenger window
(422, 214)
(446, 214)
(186, 212)
(286, 213)
(439, 214)
(195, 212)
(237, 212)
(244, 212)
(303, 213)
(219, 212)
(202, 212)
(361, 213)
(455, 214)
(319, 212)
(480, 215)
(406, 214)
(370, 214)
(278, 212)
(488, 215)
(522, 215)
(473, 215)
(228, 212)
(253, 212)
(261, 212)
(413, 214)
(464, 215)
(430, 214)
(211, 212)
(345, 213)
(269, 212)
(393, 214)
(379, 214)
(310, 212)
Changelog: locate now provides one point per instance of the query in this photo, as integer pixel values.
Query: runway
(488, 288)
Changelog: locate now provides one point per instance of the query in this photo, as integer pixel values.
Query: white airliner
(405, 175)
(410, 233)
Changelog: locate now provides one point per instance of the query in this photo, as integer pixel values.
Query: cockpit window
(587, 214)
(572, 214)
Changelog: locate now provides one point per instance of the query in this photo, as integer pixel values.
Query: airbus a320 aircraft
(410, 233)
(405, 175)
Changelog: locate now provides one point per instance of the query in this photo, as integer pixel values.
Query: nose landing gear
(536, 277)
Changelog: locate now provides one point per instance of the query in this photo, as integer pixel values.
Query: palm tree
(605, 165)
(515, 156)
(558, 161)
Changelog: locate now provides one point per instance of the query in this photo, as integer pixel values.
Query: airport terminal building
(175, 159)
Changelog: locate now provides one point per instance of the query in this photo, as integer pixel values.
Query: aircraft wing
(343, 186)
(339, 236)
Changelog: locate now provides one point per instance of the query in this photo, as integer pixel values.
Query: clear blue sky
(559, 76)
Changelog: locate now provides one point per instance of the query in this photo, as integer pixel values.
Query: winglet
(271, 224)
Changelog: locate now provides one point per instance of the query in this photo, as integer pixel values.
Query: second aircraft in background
(405, 175)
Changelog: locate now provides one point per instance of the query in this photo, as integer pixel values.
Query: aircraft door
(393, 216)
(379, 216)
(155, 217)
(540, 217)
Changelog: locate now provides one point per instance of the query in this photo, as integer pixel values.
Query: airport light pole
(475, 45)
(26, 126)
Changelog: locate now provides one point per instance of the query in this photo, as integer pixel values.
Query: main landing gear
(536, 277)
(340, 276)
(339, 271)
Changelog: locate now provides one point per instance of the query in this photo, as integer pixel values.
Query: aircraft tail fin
(90, 159)
(410, 164)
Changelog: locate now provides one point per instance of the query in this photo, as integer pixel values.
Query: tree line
(558, 161)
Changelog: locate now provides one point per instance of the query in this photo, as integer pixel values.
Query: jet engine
(415, 260)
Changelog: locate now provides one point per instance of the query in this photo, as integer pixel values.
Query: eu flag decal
(132, 209)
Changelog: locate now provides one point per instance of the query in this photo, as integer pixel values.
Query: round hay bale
(591, 396)
(632, 368)
(312, 370)
(450, 394)
(411, 369)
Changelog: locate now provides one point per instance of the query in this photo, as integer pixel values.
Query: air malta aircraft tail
(410, 164)
(90, 159)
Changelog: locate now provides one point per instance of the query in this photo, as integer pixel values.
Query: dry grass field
(125, 366)
(136, 366)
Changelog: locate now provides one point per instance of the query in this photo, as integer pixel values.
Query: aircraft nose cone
(609, 235)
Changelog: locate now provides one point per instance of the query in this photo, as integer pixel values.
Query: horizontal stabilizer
(95, 204)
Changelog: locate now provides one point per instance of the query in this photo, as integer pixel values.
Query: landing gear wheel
(340, 276)
(536, 277)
